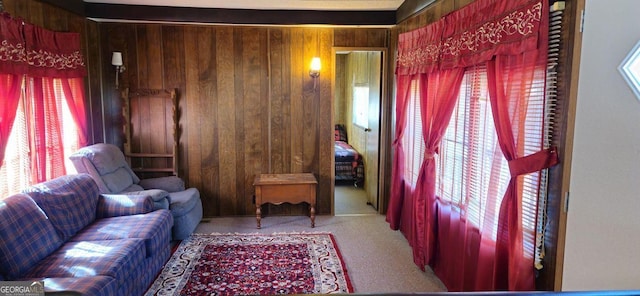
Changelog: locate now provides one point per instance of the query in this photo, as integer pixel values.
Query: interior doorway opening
(359, 87)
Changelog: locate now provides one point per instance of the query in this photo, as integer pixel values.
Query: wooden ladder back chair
(151, 130)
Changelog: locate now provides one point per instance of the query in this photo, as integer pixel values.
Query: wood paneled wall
(247, 102)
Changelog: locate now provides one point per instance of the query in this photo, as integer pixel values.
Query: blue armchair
(106, 164)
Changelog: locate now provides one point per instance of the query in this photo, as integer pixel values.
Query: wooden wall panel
(253, 102)
(362, 37)
(228, 163)
(325, 124)
(94, 83)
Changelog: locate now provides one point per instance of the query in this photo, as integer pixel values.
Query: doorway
(359, 85)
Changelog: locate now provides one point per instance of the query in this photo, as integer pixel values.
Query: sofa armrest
(112, 205)
(170, 183)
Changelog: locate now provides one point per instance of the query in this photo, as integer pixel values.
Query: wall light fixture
(314, 70)
(116, 60)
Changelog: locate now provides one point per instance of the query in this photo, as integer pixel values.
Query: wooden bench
(280, 188)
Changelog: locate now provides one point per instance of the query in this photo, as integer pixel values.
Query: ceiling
(342, 5)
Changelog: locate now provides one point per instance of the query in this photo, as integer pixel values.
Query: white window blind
(412, 139)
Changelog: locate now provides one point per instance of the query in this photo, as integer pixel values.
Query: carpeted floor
(254, 264)
(377, 259)
(350, 200)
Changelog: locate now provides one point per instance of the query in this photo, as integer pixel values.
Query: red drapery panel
(439, 91)
(396, 199)
(10, 92)
(74, 93)
(11, 53)
(509, 84)
(418, 52)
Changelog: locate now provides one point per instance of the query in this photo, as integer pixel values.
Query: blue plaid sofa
(76, 240)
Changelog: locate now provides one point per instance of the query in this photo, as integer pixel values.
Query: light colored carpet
(378, 259)
(350, 200)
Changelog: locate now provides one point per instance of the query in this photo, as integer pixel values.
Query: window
(44, 129)
(472, 173)
(413, 140)
(630, 70)
(361, 106)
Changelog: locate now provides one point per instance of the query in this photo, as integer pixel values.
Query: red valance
(472, 35)
(419, 50)
(25, 48)
(12, 48)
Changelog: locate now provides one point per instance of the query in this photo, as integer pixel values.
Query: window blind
(555, 38)
(412, 139)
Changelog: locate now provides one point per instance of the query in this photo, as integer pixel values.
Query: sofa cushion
(154, 228)
(27, 235)
(69, 202)
(119, 259)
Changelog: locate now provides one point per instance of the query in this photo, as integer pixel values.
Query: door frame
(384, 146)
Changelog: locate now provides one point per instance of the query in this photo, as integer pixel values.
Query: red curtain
(509, 80)
(485, 31)
(74, 93)
(439, 91)
(10, 93)
(396, 199)
(10, 56)
(48, 65)
(418, 53)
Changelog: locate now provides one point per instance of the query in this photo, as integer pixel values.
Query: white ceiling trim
(268, 4)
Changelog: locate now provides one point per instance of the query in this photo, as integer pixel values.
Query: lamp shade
(315, 64)
(116, 58)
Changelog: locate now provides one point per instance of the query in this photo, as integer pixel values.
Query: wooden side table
(280, 188)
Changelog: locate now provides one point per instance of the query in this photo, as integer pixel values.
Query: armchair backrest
(106, 164)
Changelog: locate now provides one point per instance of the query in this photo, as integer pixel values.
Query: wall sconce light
(116, 60)
(314, 70)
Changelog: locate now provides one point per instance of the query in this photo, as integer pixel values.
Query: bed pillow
(340, 133)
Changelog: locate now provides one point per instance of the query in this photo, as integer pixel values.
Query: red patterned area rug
(254, 264)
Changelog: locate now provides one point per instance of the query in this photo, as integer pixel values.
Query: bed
(349, 162)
